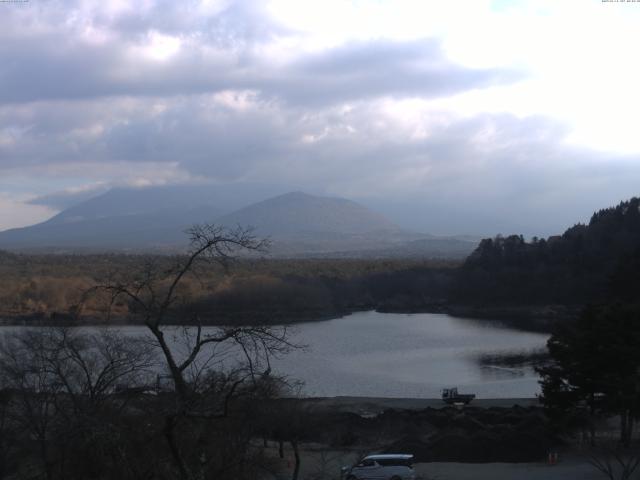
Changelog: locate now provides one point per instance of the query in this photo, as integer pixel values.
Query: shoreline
(368, 406)
(525, 318)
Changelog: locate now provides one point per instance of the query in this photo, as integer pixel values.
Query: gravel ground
(567, 469)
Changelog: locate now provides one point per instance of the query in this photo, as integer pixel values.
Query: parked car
(392, 466)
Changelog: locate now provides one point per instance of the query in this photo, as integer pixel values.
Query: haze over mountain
(299, 213)
(153, 219)
(119, 202)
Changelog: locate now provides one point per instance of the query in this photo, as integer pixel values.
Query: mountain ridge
(155, 219)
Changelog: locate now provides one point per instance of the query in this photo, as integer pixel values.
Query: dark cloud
(219, 51)
(383, 68)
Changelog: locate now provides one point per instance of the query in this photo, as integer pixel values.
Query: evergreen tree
(596, 364)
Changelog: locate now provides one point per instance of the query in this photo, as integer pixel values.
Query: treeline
(586, 264)
(53, 288)
(593, 372)
(271, 299)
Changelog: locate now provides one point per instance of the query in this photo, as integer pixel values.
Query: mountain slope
(297, 214)
(155, 230)
(121, 219)
(125, 202)
(155, 219)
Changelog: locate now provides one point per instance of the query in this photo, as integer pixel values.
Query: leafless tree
(61, 385)
(614, 461)
(78, 398)
(193, 355)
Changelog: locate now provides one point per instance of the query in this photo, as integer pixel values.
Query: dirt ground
(322, 463)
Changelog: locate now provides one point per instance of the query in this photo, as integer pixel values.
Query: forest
(52, 288)
(506, 276)
(587, 263)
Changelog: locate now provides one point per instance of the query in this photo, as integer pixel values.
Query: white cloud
(158, 47)
(15, 211)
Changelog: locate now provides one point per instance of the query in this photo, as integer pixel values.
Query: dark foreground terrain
(437, 434)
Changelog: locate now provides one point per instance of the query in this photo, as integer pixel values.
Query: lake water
(409, 355)
(404, 355)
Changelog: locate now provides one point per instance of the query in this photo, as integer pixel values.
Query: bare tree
(154, 293)
(77, 400)
(62, 391)
(614, 461)
(194, 355)
(34, 393)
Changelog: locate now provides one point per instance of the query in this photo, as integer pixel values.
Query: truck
(451, 396)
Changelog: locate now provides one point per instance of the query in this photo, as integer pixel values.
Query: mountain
(154, 219)
(299, 214)
(121, 202)
(299, 224)
(159, 230)
(122, 219)
(128, 202)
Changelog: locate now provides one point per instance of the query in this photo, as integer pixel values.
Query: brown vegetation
(50, 288)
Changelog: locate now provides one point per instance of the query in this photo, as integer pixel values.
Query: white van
(391, 466)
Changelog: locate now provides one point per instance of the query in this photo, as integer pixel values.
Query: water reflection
(411, 355)
(405, 355)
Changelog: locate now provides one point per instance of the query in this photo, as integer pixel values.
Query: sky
(477, 117)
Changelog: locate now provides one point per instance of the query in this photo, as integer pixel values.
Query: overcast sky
(472, 116)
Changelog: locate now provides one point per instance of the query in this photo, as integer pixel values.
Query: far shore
(541, 319)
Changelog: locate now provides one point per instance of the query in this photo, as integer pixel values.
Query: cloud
(382, 68)
(495, 171)
(104, 93)
(17, 212)
(196, 89)
(70, 196)
(167, 50)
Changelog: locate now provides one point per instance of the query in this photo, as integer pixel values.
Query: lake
(409, 355)
(403, 355)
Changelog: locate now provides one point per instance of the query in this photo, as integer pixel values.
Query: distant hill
(157, 231)
(121, 202)
(585, 264)
(128, 202)
(155, 219)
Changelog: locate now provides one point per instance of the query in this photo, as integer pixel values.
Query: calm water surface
(403, 355)
(409, 355)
